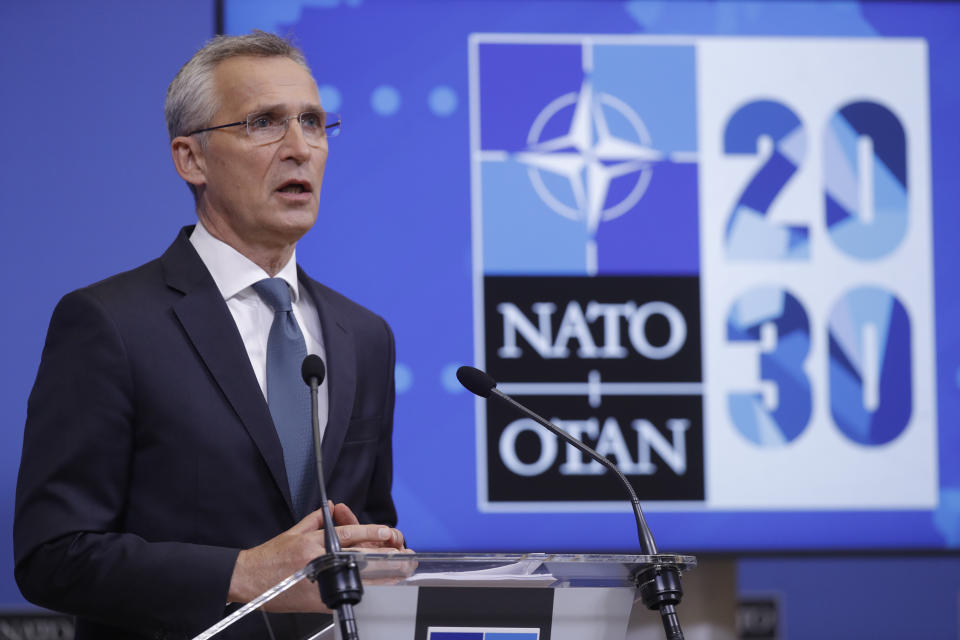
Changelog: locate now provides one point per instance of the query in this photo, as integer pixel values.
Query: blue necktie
(287, 396)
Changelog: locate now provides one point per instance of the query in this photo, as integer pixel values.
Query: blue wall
(86, 183)
(881, 598)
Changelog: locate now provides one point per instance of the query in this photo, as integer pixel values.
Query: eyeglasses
(264, 128)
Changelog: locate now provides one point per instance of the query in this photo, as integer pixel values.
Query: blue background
(87, 189)
(397, 187)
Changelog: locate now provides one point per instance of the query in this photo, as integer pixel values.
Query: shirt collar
(232, 271)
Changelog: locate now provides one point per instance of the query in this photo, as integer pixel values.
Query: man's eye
(260, 122)
(311, 120)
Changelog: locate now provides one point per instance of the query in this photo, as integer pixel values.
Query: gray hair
(191, 99)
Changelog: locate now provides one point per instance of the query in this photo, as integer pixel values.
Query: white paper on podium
(517, 574)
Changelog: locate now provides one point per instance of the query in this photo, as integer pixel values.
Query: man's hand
(263, 566)
(342, 515)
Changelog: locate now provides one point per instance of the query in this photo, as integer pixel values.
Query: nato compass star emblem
(589, 156)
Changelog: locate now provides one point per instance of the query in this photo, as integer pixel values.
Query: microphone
(313, 367)
(476, 382)
(480, 383)
(337, 579)
(661, 589)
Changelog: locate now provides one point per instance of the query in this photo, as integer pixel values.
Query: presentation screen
(717, 241)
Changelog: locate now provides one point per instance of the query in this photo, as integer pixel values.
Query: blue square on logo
(587, 157)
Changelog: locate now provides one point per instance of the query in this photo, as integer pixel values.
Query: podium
(449, 596)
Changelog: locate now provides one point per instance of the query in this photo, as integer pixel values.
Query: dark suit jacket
(150, 457)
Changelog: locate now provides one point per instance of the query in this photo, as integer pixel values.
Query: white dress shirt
(235, 275)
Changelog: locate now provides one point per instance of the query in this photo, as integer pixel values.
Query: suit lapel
(207, 321)
(341, 372)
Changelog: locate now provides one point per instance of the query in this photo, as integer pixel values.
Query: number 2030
(868, 330)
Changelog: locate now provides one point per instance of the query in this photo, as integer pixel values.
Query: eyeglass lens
(316, 125)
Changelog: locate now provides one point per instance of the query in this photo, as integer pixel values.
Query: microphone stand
(659, 586)
(337, 577)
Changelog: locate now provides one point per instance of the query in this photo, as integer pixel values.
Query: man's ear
(189, 160)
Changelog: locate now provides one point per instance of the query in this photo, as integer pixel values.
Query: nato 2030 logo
(716, 275)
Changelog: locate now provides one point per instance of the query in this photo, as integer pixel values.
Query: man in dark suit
(156, 483)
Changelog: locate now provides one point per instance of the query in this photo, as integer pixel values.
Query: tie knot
(275, 292)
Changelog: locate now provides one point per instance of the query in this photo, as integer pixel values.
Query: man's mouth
(294, 186)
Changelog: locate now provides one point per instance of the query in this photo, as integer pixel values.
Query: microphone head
(476, 381)
(313, 367)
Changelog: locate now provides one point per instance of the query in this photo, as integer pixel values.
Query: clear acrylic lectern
(448, 596)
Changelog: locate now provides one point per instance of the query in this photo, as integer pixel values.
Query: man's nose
(294, 140)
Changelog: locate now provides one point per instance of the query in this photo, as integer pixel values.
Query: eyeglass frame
(286, 124)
